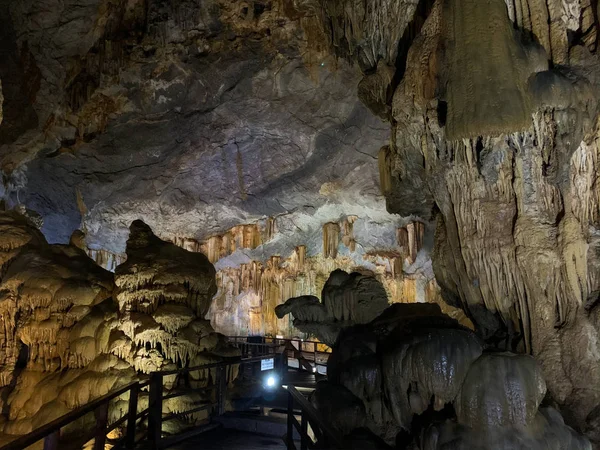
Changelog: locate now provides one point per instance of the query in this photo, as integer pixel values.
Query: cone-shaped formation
(58, 313)
(163, 294)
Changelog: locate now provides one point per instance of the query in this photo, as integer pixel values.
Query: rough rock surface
(205, 118)
(56, 313)
(231, 124)
(66, 341)
(414, 369)
(201, 116)
(514, 191)
(163, 294)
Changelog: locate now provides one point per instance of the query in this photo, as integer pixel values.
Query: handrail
(51, 431)
(156, 397)
(312, 416)
(278, 339)
(296, 346)
(226, 362)
(55, 426)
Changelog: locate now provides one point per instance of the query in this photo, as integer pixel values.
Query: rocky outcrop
(414, 369)
(347, 299)
(163, 295)
(503, 153)
(65, 341)
(57, 313)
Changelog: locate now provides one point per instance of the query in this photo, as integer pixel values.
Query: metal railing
(325, 437)
(131, 421)
(50, 432)
(310, 354)
(217, 391)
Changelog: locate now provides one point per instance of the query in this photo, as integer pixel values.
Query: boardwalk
(226, 439)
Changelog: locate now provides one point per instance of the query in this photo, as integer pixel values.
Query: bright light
(271, 381)
(315, 369)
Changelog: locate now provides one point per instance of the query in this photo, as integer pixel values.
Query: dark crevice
(478, 153)
(410, 33)
(20, 82)
(594, 6)
(442, 113)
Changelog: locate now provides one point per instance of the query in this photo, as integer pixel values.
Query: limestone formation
(249, 291)
(404, 369)
(346, 299)
(57, 314)
(502, 152)
(439, 151)
(163, 294)
(65, 341)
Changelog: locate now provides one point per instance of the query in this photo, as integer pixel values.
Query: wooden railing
(325, 437)
(50, 432)
(215, 395)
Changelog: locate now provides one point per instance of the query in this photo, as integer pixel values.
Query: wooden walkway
(227, 439)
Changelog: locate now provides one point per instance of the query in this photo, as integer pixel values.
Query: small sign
(267, 364)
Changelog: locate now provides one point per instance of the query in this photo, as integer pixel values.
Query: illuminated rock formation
(346, 300)
(163, 294)
(65, 341)
(57, 314)
(248, 292)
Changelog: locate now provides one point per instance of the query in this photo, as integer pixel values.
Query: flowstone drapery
(414, 377)
(65, 341)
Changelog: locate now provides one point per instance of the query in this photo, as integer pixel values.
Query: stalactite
(105, 259)
(219, 246)
(331, 239)
(410, 240)
(298, 259)
(385, 170)
(271, 228)
(189, 244)
(348, 232)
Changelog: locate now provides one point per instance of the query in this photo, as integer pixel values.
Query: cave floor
(228, 439)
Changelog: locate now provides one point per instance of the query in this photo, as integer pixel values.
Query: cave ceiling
(193, 116)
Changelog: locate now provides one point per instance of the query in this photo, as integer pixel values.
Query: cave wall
(494, 129)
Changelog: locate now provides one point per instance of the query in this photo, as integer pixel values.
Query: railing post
(132, 416)
(290, 422)
(155, 410)
(221, 386)
(283, 364)
(304, 432)
(101, 415)
(51, 441)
